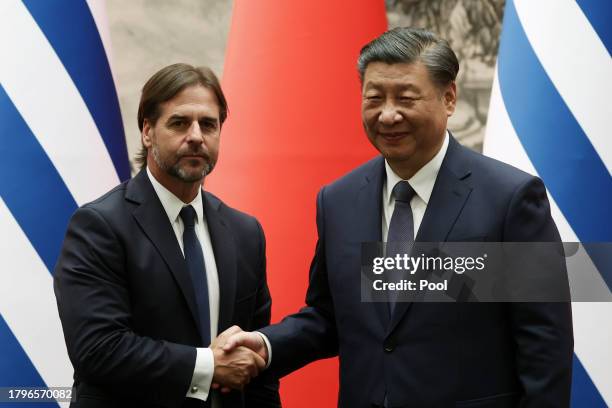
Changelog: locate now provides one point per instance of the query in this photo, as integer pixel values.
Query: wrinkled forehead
(399, 76)
(192, 102)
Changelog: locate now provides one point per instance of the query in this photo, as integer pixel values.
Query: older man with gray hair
(425, 187)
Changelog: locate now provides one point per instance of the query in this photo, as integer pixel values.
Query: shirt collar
(172, 204)
(423, 180)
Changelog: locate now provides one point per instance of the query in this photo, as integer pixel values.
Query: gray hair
(409, 45)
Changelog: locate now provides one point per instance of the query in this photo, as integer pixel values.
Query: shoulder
(354, 180)
(519, 196)
(493, 175)
(108, 208)
(243, 229)
(109, 201)
(235, 217)
(99, 225)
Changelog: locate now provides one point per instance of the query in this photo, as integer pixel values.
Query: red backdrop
(294, 125)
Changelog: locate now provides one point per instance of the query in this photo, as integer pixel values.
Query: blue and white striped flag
(61, 145)
(550, 115)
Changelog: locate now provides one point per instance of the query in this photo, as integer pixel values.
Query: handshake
(239, 356)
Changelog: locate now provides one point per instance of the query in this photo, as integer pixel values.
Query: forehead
(381, 74)
(192, 101)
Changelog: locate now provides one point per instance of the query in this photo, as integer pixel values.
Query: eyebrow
(177, 116)
(401, 88)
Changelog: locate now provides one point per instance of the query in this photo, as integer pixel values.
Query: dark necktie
(401, 230)
(195, 263)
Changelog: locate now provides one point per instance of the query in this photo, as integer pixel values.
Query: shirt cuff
(202, 374)
(268, 346)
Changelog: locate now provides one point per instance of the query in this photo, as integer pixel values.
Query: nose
(194, 133)
(389, 115)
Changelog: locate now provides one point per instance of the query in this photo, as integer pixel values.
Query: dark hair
(164, 85)
(409, 45)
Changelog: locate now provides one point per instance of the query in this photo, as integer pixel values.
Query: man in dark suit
(426, 187)
(150, 272)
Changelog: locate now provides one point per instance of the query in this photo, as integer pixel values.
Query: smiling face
(404, 114)
(183, 144)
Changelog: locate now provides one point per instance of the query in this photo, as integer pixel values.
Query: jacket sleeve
(542, 330)
(263, 391)
(310, 334)
(92, 292)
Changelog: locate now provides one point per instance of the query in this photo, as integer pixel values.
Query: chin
(190, 175)
(191, 178)
(396, 152)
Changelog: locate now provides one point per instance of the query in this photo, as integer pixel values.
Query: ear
(450, 98)
(146, 134)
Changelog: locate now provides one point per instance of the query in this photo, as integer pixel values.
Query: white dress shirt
(205, 363)
(422, 182)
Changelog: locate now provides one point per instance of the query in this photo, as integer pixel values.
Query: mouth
(194, 157)
(392, 136)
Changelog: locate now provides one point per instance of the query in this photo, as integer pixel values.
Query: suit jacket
(430, 354)
(127, 304)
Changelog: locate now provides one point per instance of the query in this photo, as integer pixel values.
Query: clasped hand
(239, 356)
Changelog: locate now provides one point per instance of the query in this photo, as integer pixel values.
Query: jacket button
(389, 347)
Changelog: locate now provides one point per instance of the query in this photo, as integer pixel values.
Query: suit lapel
(224, 249)
(368, 202)
(151, 217)
(447, 201)
(449, 195)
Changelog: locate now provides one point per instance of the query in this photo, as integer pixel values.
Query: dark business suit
(127, 304)
(430, 354)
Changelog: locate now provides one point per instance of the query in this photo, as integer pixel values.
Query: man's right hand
(235, 366)
(251, 340)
